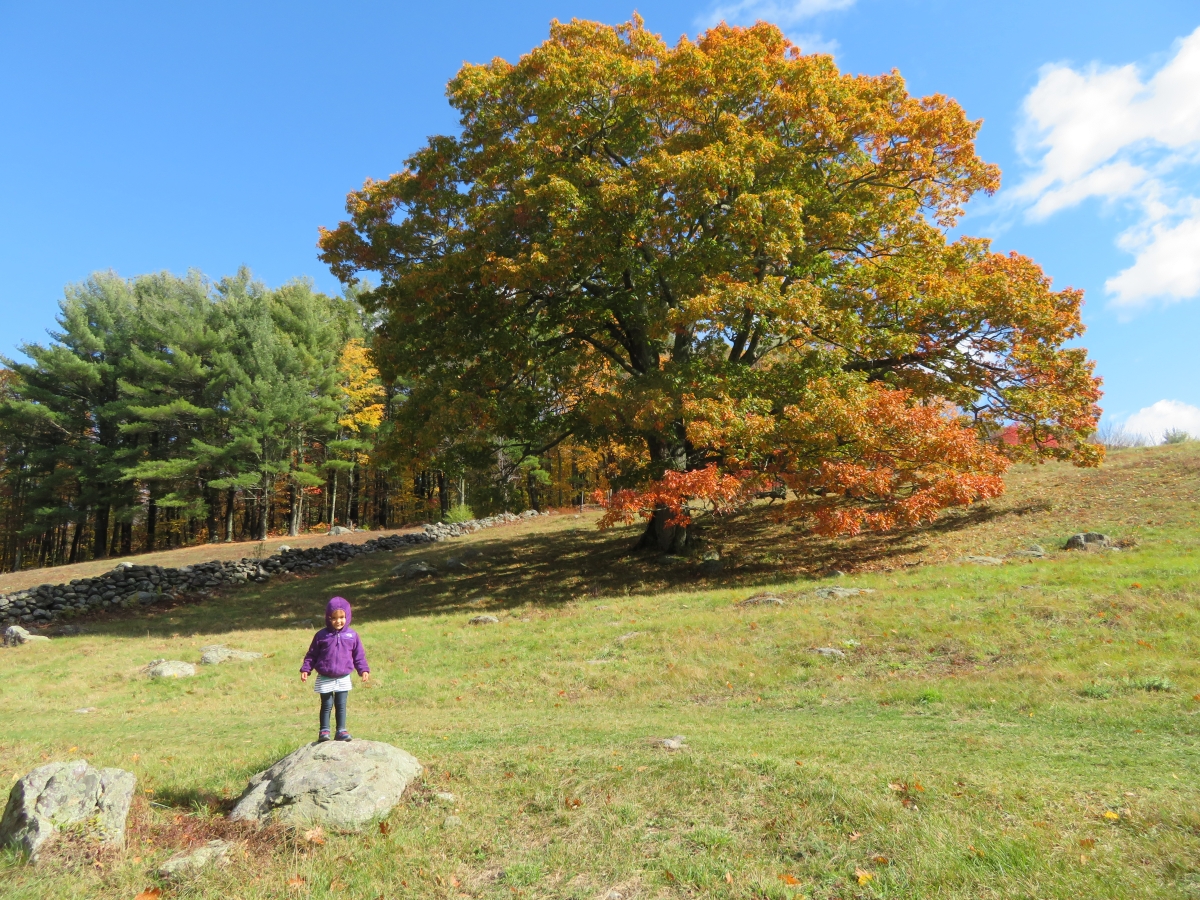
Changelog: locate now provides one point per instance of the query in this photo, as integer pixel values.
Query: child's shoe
(343, 736)
(323, 736)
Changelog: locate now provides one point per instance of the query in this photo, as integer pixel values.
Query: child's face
(337, 620)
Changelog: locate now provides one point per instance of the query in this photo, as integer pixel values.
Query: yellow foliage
(361, 389)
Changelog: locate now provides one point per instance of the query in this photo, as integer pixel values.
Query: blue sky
(138, 137)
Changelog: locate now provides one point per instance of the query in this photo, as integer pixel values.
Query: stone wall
(130, 585)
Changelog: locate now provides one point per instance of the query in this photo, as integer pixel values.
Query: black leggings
(334, 699)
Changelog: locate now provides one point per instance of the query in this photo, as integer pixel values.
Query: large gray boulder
(215, 654)
(65, 794)
(341, 784)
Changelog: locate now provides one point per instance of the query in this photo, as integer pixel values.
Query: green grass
(1025, 731)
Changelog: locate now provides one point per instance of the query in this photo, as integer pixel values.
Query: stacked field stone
(130, 585)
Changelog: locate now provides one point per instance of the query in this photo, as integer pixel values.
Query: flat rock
(1033, 551)
(416, 569)
(67, 795)
(338, 529)
(484, 620)
(761, 600)
(839, 593)
(344, 785)
(984, 560)
(629, 636)
(831, 652)
(215, 654)
(445, 797)
(1088, 540)
(185, 863)
(170, 668)
(15, 635)
(452, 822)
(672, 743)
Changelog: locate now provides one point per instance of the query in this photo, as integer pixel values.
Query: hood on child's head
(337, 603)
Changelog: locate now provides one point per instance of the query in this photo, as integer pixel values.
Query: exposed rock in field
(169, 668)
(416, 569)
(454, 564)
(215, 654)
(344, 785)
(446, 797)
(1033, 551)
(672, 743)
(484, 620)
(451, 822)
(85, 710)
(14, 635)
(984, 560)
(67, 794)
(761, 600)
(1088, 540)
(338, 529)
(830, 652)
(840, 593)
(185, 863)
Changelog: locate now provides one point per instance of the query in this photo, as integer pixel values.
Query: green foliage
(459, 513)
(1177, 436)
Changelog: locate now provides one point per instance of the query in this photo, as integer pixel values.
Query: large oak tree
(721, 259)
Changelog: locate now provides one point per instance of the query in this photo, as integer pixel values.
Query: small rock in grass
(446, 797)
(831, 652)
(451, 822)
(629, 636)
(1088, 540)
(614, 895)
(1033, 551)
(86, 709)
(984, 560)
(839, 593)
(673, 743)
(169, 668)
(416, 569)
(484, 620)
(15, 635)
(454, 564)
(184, 863)
(215, 654)
(762, 600)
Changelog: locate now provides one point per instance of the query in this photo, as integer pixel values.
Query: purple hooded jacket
(336, 653)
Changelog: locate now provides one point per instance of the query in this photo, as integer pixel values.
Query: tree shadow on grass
(500, 571)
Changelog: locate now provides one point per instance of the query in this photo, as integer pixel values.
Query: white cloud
(1112, 134)
(1156, 420)
(784, 13)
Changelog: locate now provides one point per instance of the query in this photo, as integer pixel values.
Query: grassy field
(1027, 730)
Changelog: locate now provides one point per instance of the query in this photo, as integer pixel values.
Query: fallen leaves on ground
(863, 876)
(149, 894)
(315, 835)
(296, 882)
(785, 878)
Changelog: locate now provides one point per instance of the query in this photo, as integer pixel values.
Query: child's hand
(366, 677)
(303, 677)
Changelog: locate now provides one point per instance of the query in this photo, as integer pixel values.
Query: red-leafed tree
(728, 255)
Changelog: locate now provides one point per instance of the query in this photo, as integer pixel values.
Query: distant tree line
(169, 411)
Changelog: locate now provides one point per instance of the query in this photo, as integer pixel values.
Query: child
(334, 651)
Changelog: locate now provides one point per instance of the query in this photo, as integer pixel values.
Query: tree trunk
(79, 525)
(100, 545)
(264, 511)
(126, 538)
(443, 489)
(297, 503)
(213, 501)
(151, 521)
(230, 500)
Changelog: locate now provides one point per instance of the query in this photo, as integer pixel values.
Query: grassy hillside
(1025, 730)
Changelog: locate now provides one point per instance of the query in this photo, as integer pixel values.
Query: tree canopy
(722, 257)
